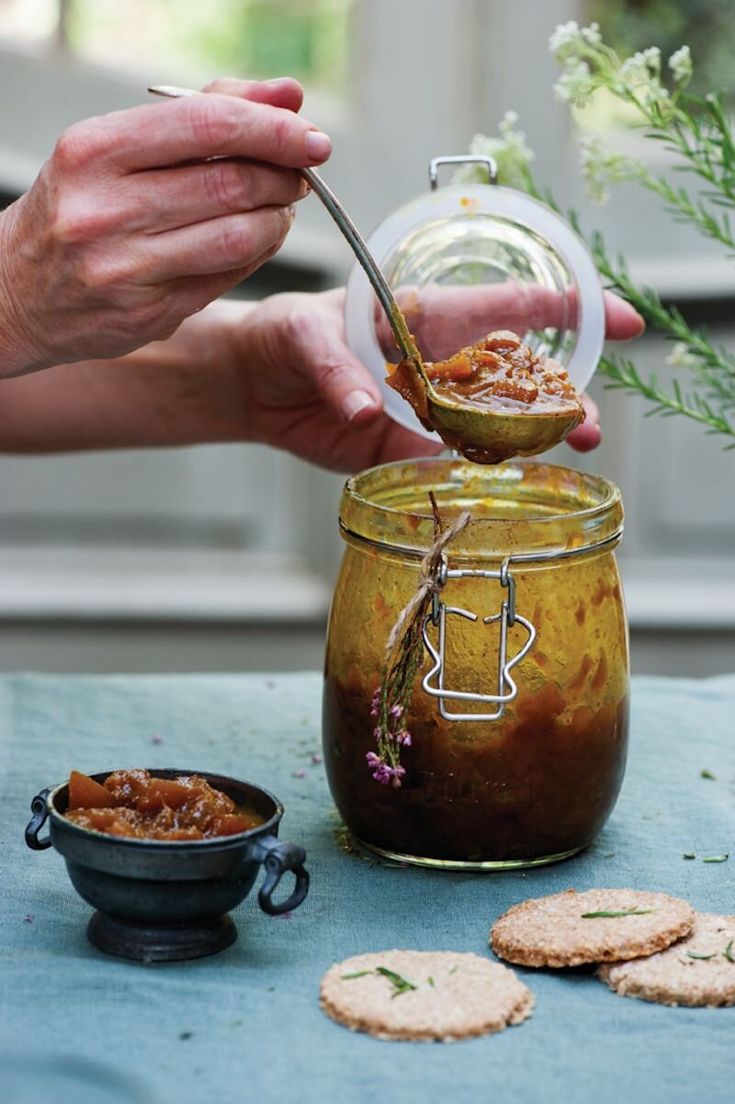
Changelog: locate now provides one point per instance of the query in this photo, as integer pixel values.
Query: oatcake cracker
(698, 971)
(424, 995)
(563, 930)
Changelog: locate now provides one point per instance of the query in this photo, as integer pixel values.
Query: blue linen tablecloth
(245, 1025)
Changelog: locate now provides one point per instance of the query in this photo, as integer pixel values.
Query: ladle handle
(357, 244)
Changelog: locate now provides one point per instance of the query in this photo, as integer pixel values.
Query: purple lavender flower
(396, 710)
(381, 771)
(397, 773)
(375, 703)
(404, 737)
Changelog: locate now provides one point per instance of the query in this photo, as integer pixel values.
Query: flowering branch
(700, 135)
(404, 653)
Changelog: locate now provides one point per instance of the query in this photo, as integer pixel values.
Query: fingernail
(276, 82)
(318, 145)
(355, 403)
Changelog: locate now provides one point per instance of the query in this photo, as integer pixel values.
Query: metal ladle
(486, 435)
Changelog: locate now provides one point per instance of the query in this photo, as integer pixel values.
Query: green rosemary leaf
(708, 774)
(688, 855)
(704, 958)
(715, 858)
(608, 913)
(454, 969)
(360, 973)
(430, 981)
(401, 984)
(728, 951)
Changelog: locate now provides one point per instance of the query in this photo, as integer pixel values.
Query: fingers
(587, 436)
(401, 444)
(164, 199)
(282, 92)
(445, 319)
(622, 320)
(195, 127)
(204, 248)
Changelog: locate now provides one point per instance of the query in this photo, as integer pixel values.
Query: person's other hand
(308, 393)
(129, 227)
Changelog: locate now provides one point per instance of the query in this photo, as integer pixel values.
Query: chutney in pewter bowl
(491, 776)
(163, 899)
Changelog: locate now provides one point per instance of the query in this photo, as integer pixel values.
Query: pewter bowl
(159, 901)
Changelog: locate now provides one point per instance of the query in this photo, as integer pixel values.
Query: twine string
(428, 581)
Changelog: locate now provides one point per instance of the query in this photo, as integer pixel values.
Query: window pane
(28, 20)
(307, 39)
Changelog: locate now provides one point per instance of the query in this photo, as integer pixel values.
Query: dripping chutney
(538, 783)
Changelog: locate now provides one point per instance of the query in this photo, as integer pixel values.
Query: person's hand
(444, 319)
(305, 390)
(129, 228)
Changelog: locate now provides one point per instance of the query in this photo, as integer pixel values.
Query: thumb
(342, 380)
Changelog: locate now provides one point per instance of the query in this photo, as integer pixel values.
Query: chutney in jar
(537, 783)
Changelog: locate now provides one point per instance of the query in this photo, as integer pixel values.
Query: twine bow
(428, 576)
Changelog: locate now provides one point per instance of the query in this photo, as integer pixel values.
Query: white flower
(681, 357)
(642, 67)
(565, 40)
(510, 152)
(601, 167)
(652, 58)
(680, 64)
(592, 35)
(576, 84)
(641, 75)
(569, 40)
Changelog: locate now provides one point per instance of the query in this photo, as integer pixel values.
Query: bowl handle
(39, 808)
(277, 858)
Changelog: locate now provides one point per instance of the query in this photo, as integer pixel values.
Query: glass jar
(536, 783)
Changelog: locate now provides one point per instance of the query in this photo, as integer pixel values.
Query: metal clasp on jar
(433, 682)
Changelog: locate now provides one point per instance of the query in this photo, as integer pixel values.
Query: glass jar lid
(466, 259)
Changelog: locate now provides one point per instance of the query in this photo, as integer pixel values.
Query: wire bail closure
(463, 159)
(508, 617)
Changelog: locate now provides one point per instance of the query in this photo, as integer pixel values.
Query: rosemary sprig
(711, 366)
(610, 913)
(402, 985)
(703, 957)
(716, 858)
(727, 953)
(622, 373)
(708, 774)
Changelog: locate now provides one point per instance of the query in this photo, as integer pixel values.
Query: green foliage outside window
(307, 39)
(707, 26)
